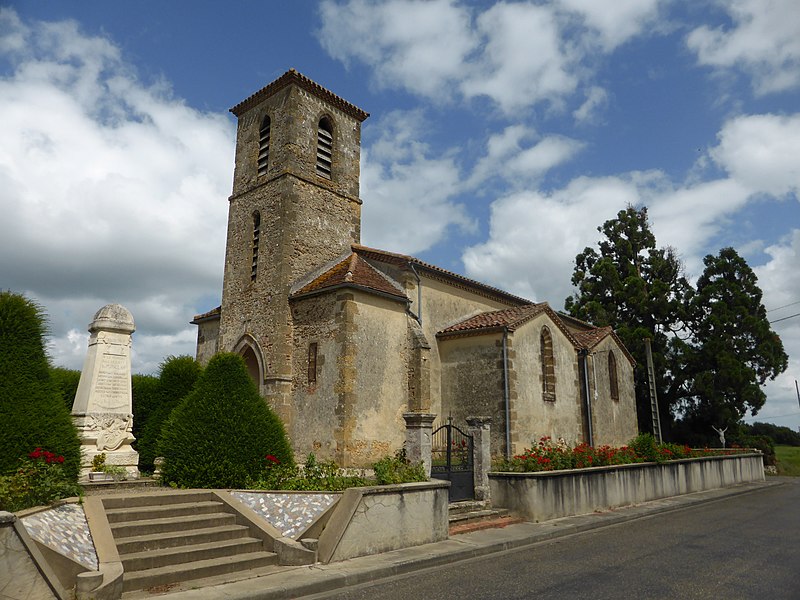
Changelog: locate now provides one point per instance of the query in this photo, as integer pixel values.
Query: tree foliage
(32, 412)
(734, 350)
(640, 291)
(221, 434)
(66, 381)
(712, 346)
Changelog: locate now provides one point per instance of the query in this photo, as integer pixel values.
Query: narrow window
(324, 147)
(548, 366)
(263, 146)
(613, 385)
(312, 363)
(256, 235)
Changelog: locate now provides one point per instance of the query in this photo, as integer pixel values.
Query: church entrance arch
(248, 349)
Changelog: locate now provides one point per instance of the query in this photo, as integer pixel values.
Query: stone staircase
(472, 515)
(169, 538)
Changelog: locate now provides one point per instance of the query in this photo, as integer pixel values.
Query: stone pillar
(480, 430)
(103, 406)
(419, 440)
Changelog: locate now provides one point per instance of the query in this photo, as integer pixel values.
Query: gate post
(418, 438)
(480, 430)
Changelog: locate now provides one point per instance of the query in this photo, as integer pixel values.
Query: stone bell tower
(294, 207)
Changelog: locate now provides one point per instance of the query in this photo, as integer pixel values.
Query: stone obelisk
(103, 406)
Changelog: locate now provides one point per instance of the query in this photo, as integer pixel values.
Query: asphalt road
(745, 546)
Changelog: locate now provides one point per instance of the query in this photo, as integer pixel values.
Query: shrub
(32, 412)
(66, 382)
(144, 392)
(398, 469)
(645, 447)
(218, 436)
(39, 480)
(177, 376)
(314, 475)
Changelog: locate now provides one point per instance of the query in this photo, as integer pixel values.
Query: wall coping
(572, 472)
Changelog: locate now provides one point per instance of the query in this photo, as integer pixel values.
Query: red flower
(272, 459)
(36, 453)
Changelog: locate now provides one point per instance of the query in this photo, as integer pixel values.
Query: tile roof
(590, 338)
(293, 77)
(356, 272)
(214, 313)
(403, 260)
(509, 318)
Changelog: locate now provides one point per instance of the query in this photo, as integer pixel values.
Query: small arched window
(613, 384)
(548, 365)
(324, 147)
(263, 146)
(256, 236)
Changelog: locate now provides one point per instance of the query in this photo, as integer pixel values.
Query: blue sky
(501, 135)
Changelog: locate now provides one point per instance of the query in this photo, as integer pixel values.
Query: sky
(501, 135)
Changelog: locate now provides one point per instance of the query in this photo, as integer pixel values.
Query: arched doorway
(248, 349)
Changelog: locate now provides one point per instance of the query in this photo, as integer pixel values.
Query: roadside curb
(318, 579)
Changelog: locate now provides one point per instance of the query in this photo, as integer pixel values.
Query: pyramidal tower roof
(293, 77)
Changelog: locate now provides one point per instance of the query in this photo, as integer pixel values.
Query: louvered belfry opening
(613, 384)
(263, 146)
(256, 235)
(324, 147)
(548, 365)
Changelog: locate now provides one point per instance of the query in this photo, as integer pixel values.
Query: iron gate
(451, 460)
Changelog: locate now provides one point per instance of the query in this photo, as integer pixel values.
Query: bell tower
(294, 207)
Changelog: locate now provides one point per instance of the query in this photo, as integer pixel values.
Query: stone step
(170, 539)
(474, 516)
(150, 578)
(153, 559)
(143, 513)
(157, 498)
(467, 506)
(135, 528)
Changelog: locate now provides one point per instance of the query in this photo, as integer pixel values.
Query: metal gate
(451, 460)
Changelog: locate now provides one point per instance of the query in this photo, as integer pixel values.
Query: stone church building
(343, 339)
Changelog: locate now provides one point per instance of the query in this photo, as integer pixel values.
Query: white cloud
(764, 42)
(520, 157)
(517, 54)
(111, 191)
(421, 44)
(760, 152)
(408, 193)
(596, 101)
(534, 237)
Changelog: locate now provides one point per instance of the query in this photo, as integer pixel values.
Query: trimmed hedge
(66, 381)
(32, 412)
(220, 435)
(177, 376)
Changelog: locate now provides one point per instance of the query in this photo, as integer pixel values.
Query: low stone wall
(370, 520)
(549, 495)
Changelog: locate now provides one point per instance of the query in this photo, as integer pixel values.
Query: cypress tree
(32, 412)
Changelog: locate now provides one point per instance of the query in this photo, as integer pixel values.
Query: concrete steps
(168, 538)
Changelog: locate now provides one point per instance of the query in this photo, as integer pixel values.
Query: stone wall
(553, 494)
(613, 421)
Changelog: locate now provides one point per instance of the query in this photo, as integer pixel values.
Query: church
(343, 339)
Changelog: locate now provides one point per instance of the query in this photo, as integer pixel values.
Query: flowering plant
(39, 480)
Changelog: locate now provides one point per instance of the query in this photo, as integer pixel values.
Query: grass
(788, 460)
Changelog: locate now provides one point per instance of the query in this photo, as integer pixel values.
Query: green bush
(39, 480)
(220, 435)
(177, 376)
(32, 412)
(759, 442)
(398, 469)
(66, 381)
(314, 475)
(144, 392)
(645, 447)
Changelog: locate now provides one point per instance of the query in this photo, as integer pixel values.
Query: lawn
(788, 460)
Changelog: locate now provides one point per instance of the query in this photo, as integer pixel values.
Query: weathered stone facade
(345, 340)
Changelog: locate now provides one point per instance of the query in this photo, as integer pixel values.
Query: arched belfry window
(324, 147)
(548, 365)
(256, 236)
(613, 384)
(263, 146)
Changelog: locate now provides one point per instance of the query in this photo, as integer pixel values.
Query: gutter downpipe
(419, 293)
(585, 354)
(506, 401)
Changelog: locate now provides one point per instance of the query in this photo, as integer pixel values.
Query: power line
(770, 417)
(784, 306)
(784, 318)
